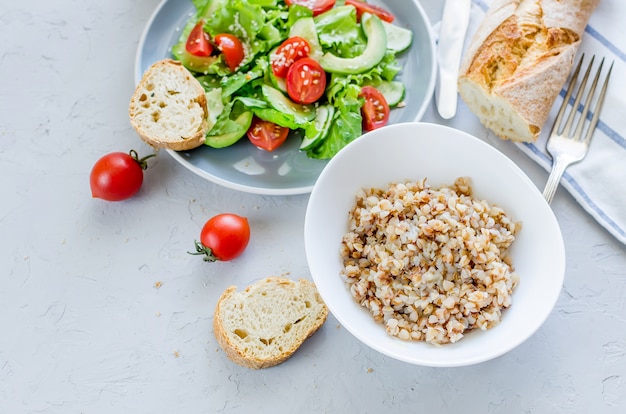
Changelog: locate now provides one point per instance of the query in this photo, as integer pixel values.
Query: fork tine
(564, 148)
(585, 111)
(568, 130)
(568, 94)
(599, 103)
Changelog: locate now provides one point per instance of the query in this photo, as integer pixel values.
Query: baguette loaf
(518, 61)
(266, 323)
(168, 108)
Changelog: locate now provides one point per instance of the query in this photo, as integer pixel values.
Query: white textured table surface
(85, 330)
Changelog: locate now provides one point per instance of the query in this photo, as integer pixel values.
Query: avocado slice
(229, 138)
(193, 63)
(372, 55)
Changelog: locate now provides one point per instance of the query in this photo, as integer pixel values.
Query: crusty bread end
(518, 60)
(266, 323)
(168, 108)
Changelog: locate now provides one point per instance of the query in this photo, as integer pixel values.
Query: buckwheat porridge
(429, 263)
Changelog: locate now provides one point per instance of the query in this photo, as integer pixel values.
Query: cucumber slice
(317, 131)
(302, 113)
(371, 56)
(305, 28)
(398, 38)
(279, 83)
(392, 91)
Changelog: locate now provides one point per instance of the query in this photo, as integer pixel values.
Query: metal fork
(567, 145)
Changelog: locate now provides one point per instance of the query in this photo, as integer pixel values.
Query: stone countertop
(103, 311)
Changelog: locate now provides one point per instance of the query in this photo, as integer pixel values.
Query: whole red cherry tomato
(117, 176)
(223, 237)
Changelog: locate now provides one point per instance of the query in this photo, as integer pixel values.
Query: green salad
(324, 68)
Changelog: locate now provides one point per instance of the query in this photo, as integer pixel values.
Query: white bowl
(412, 151)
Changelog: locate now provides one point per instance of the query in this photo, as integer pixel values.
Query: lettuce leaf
(346, 127)
(339, 31)
(277, 117)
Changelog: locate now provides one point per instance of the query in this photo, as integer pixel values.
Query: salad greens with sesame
(324, 68)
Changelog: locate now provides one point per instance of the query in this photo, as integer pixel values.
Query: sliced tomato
(363, 7)
(289, 51)
(267, 135)
(375, 110)
(232, 48)
(318, 6)
(306, 81)
(199, 42)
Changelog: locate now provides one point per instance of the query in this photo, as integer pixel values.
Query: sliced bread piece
(266, 323)
(168, 108)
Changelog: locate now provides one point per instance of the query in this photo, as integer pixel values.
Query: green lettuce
(262, 25)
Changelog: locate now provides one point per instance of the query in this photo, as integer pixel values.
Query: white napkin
(598, 182)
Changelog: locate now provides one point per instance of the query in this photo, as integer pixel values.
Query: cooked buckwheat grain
(430, 264)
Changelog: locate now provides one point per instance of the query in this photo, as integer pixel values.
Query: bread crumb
(157, 285)
(176, 354)
(370, 370)
(158, 314)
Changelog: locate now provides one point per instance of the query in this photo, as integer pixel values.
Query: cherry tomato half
(117, 176)
(363, 7)
(318, 6)
(306, 81)
(199, 42)
(232, 48)
(223, 237)
(289, 51)
(375, 110)
(267, 135)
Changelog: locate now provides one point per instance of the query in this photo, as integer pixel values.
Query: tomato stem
(201, 249)
(141, 161)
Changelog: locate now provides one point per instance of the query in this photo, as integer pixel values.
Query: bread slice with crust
(518, 61)
(169, 108)
(266, 323)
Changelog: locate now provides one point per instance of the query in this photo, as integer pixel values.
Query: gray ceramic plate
(286, 170)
